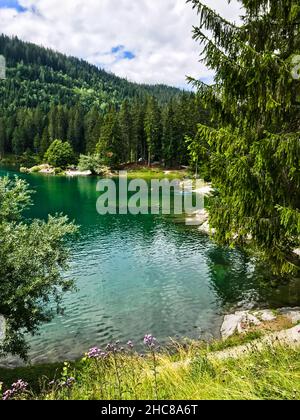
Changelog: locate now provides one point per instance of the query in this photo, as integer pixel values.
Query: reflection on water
(140, 274)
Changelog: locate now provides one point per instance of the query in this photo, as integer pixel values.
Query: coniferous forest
(49, 96)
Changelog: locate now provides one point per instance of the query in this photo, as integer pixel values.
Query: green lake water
(141, 274)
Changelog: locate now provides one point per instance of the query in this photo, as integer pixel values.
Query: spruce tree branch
(212, 21)
(200, 36)
(209, 13)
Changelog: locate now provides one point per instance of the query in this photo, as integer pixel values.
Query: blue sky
(146, 41)
(12, 4)
(121, 53)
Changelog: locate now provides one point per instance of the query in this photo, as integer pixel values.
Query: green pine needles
(253, 141)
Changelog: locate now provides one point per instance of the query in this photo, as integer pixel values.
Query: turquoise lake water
(141, 274)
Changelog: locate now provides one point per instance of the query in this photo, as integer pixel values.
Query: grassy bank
(31, 164)
(184, 372)
(155, 173)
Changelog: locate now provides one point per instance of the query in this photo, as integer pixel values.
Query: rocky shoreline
(49, 170)
(242, 322)
(201, 219)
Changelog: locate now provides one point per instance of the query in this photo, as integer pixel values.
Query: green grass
(156, 173)
(236, 340)
(34, 375)
(271, 374)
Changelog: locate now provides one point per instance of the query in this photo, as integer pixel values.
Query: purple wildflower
(68, 383)
(130, 344)
(149, 340)
(94, 353)
(18, 388)
(8, 395)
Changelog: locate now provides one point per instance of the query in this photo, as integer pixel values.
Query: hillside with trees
(49, 96)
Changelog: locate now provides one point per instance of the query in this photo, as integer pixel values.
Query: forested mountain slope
(47, 95)
(38, 76)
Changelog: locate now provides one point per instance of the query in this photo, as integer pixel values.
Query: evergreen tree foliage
(38, 76)
(110, 147)
(153, 129)
(253, 141)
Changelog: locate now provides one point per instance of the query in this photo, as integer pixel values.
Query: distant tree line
(137, 129)
(49, 96)
(38, 76)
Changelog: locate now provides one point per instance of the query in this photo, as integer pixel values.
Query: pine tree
(76, 129)
(92, 128)
(45, 142)
(2, 137)
(139, 142)
(61, 122)
(39, 123)
(52, 124)
(169, 147)
(254, 138)
(125, 121)
(109, 146)
(153, 129)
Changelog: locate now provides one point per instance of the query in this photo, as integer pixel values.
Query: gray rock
(205, 228)
(230, 325)
(293, 314)
(265, 315)
(239, 322)
(242, 321)
(2, 328)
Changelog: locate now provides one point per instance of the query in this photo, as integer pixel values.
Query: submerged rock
(198, 218)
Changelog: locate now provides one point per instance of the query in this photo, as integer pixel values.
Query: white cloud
(157, 32)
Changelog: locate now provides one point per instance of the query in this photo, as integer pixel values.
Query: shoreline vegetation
(133, 171)
(262, 362)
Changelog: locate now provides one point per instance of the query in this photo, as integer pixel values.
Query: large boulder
(238, 323)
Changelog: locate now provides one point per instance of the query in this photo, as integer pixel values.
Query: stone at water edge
(238, 322)
(292, 314)
(2, 328)
(229, 326)
(265, 315)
